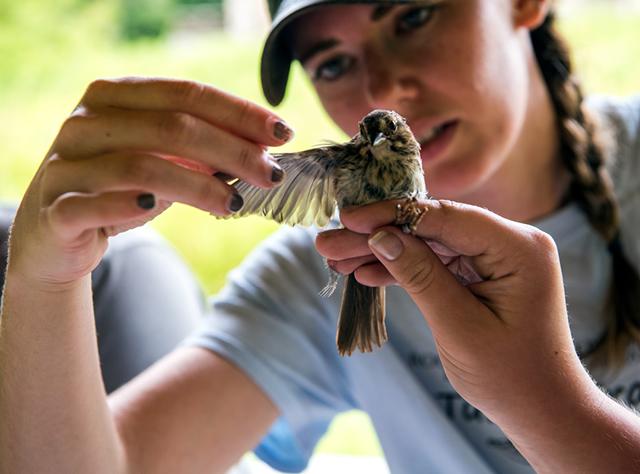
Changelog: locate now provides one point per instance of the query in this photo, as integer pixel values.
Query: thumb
(444, 302)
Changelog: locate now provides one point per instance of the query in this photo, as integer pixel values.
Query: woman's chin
(454, 182)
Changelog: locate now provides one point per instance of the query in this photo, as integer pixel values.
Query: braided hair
(591, 187)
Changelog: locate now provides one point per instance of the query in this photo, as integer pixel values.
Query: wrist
(31, 307)
(17, 280)
(24, 293)
(573, 427)
(548, 395)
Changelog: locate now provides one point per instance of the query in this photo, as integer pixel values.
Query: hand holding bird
(381, 162)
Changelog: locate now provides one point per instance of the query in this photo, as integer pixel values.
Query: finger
(350, 265)
(234, 114)
(341, 244)
(72, 214)
(447, 306)
(374, 274)
(167, 133)
(132, 171)
(464, 229)
(365, 219)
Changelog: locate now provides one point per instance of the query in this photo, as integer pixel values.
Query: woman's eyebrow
(377, 14)
(318, 48)
(380, 12)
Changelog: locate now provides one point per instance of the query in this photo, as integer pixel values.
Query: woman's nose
(388, 83)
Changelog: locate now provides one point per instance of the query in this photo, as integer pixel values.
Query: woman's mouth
(436, 141)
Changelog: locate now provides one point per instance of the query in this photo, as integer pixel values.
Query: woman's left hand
(490, 289)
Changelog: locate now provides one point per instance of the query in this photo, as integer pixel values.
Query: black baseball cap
(277, 53)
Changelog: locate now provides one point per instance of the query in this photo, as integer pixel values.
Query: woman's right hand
(129, 149)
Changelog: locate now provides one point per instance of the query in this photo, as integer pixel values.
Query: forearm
(579, 431)
(53, 408)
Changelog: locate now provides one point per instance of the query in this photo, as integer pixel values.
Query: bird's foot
(409, 213)
(330, 288)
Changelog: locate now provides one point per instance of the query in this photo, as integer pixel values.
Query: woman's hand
(129, 149)
(492, 296)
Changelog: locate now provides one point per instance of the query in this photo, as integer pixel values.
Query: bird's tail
(361, 320)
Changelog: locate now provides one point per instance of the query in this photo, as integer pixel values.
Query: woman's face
(456, 69)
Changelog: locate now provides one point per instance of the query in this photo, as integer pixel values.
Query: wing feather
(305, 197)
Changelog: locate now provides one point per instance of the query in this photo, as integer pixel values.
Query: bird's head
(386, 130)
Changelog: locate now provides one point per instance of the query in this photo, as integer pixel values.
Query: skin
(470, 61)
(126, 137)
(542, 398)
(473, 61)
(195, 412)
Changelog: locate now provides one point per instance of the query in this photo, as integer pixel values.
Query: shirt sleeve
(146, 302)
(271, 322)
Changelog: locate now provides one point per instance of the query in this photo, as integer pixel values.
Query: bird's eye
(393, 126)
(414, 19)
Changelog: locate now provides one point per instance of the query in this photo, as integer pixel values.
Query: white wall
(246, 18)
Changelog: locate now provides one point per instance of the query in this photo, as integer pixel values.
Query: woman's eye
(334, 68)
(414, 19)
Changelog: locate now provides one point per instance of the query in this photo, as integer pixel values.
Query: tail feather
(362, 314)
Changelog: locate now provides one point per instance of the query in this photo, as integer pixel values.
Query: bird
(381, 162)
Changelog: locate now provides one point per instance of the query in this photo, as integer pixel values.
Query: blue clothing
(271, 322)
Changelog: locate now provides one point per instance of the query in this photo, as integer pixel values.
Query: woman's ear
(529, 13)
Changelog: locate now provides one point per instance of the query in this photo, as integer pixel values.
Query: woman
(488, 92)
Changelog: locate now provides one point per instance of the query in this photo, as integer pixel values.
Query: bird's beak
(380, 139)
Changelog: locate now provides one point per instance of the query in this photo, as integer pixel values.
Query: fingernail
(236, 203)
(146, 201)
(386, 244)
(277, 174)
(282, 131)
(223, 176)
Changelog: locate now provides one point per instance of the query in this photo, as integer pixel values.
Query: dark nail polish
(277, 174)
(236, 203)
(282, 132)
(146, 201)
(227, 178)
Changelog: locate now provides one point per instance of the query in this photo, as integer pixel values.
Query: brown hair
(591, 187)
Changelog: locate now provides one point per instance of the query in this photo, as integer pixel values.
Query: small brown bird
(381, 162)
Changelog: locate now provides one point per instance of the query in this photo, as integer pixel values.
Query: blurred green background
(50, 52)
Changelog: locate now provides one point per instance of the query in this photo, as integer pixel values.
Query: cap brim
(277, 55)
(275, 65)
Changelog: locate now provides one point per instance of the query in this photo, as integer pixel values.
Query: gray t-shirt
(271, 322)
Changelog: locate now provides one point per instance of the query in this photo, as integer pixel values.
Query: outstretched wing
(306, 195)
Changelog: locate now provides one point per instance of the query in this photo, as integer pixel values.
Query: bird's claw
(332, 284)
(409, 213)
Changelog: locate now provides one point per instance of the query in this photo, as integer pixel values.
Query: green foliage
(35, 36)
(145, 18)
(606, 45)
(216, 3)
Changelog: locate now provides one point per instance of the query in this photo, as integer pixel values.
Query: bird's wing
(306, 196)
